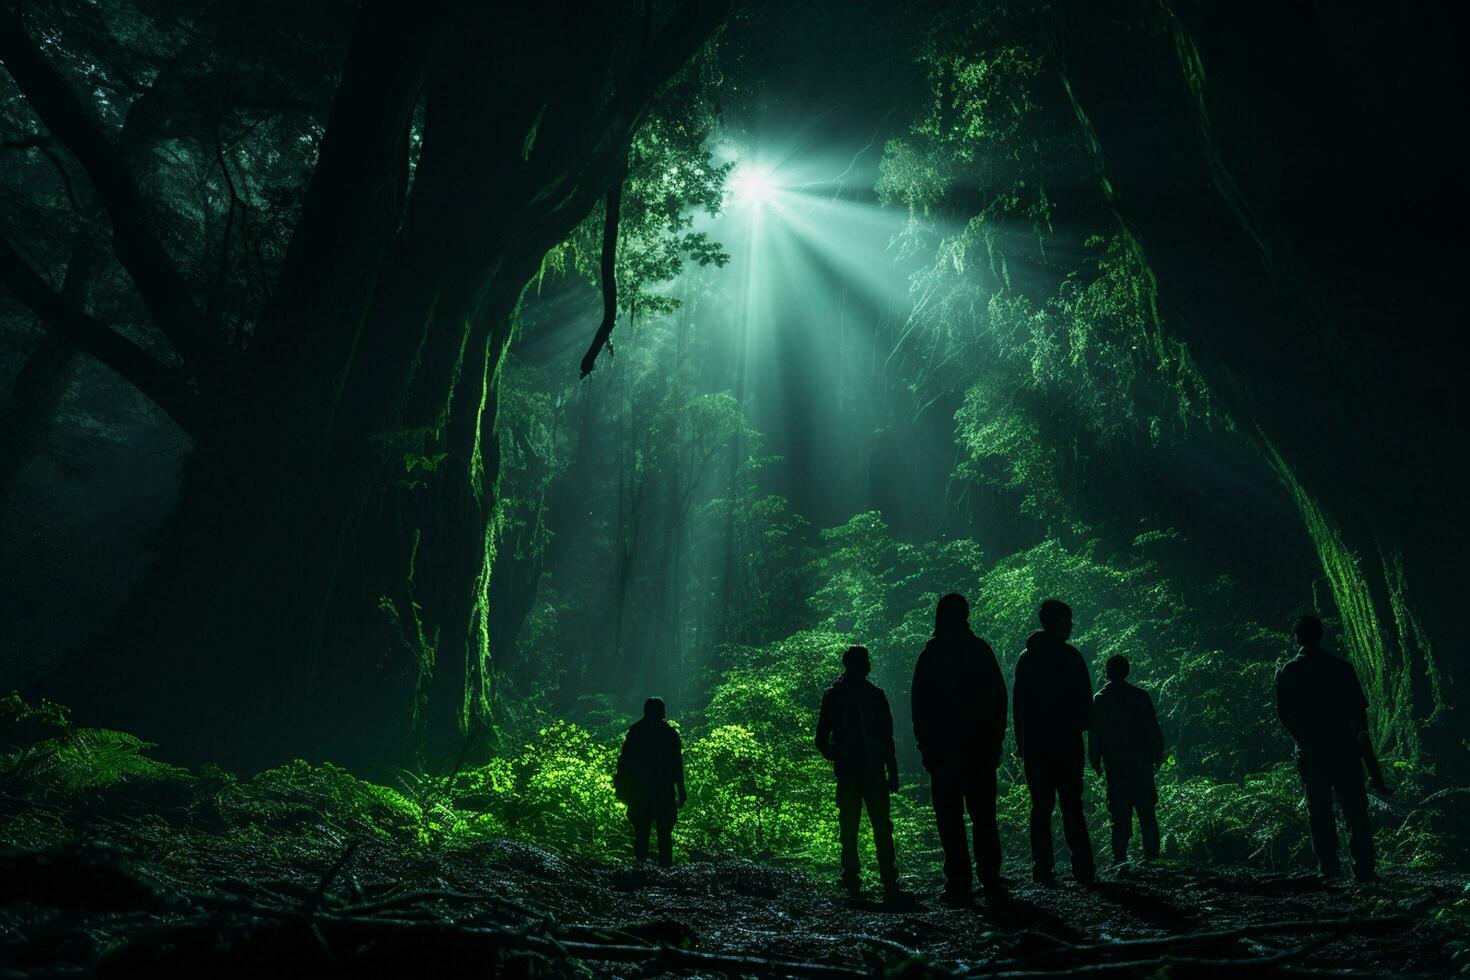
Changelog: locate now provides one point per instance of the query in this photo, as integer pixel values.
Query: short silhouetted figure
(1053, 715)
(1128, 742)
(855, 732)
(959, 710)
(1322, 705)
(650, 780)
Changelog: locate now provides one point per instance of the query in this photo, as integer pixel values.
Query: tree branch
(686, 32)
(609, 276)
(27, 143)
(163, 385)
(689, 28)
(162, 287)
(1106, 956)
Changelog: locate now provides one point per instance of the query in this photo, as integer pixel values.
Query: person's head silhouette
(1117, 667)
(1309, 630)
(653, 709)
(1056, 618)
(855, 662)
(951, 615)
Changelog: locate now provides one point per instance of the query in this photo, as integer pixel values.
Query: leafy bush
(556, 791)
(299, 797)
(1261, 819)
(45, 753)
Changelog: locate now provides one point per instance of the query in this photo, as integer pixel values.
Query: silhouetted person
(1052, 713)
(650, 780)
(1127, 740)
(1322, 705)
(855, 731)
(959, 710)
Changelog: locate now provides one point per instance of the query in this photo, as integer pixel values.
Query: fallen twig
(432, 895)
(321, 890)
(1069, 954)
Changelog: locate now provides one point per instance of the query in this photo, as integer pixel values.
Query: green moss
(1385, 665)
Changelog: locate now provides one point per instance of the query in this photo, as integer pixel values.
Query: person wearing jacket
(1128, 744)
(959, 713)
(1321, 702)
(650, 780)
(1052, 715)
(855, 733)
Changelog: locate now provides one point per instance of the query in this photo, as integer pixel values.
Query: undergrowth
(751, 795)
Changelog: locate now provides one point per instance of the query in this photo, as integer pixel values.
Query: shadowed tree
(322, 589)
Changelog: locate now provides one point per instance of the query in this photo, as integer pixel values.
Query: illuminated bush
(558, 792)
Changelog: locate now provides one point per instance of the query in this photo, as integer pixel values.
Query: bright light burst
(811, 273)
(752, 185)
(804, 229)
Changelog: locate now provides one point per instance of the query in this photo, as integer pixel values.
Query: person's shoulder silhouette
(958, 693)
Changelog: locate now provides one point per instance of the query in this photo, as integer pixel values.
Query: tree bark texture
(323, 588)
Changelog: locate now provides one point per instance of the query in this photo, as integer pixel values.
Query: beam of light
(815, 300)
(752, 185)
(811, 280)
(799, 328)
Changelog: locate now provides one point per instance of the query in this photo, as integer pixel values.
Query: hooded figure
(1128, 741)
(1053, 712)
(650, 780)
(855, 733)
(959, 711)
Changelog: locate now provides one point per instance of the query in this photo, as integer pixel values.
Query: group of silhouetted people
(959, 713)
(959, 709)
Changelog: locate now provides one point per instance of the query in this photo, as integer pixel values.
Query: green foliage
(757, 788)
(756, 776)
(980, 102)
(1387, 679)
(758, 784)
(751, 796)
(45, 753)
(850, 587)
(671, 175)
(557, 791)
(912, 176)
(299, 797)
(1220, 704)
(1260, 819)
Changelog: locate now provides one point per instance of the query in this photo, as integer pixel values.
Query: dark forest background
(1152, 306)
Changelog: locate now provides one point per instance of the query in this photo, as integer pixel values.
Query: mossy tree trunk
(1259, 219)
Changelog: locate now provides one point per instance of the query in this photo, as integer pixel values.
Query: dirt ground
(171, 904)
(756, 909)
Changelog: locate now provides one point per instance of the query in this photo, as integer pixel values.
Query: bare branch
(609, 277)
(160, 383)
(28, 143)
(72, 123)
(689, 28)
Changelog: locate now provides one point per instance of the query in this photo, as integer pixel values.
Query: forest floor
(133, 897)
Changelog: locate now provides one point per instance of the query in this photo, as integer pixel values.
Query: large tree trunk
(323, 589)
